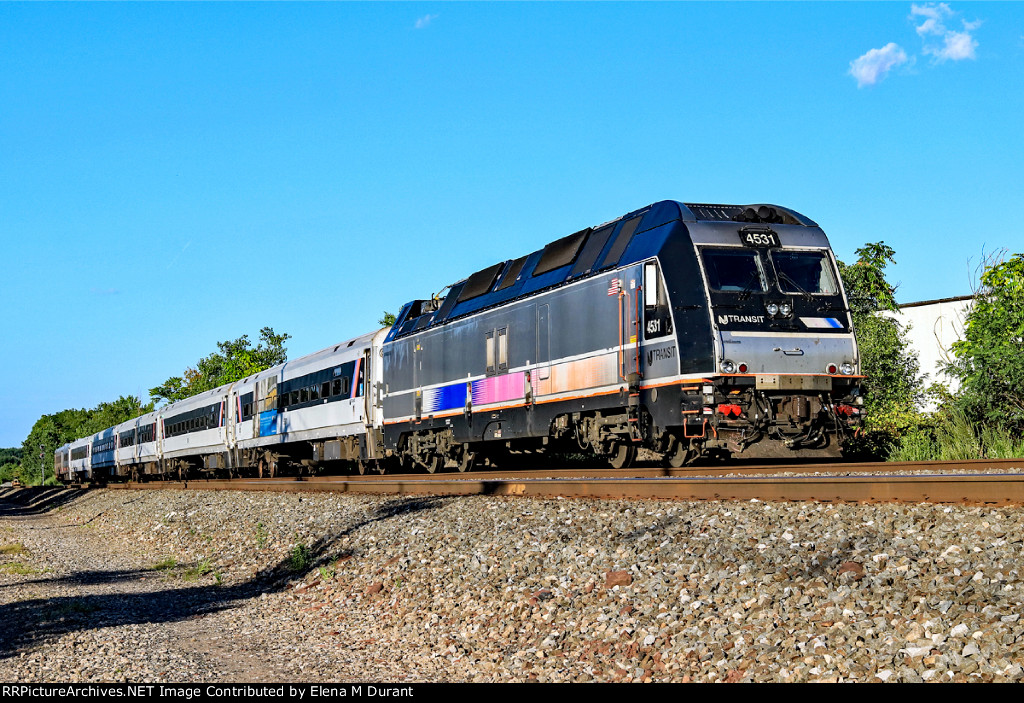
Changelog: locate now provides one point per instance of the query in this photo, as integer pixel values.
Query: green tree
(121, 410)
(892, 387)
(235, 360)
(52, 431)
(387, 320)
(988, 360)
(10, 463)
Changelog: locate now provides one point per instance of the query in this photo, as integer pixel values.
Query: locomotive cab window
(804, 272)
(735, 270)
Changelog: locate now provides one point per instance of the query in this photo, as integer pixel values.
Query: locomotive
(685, 329)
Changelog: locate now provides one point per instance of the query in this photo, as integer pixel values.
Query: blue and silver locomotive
(680, 328)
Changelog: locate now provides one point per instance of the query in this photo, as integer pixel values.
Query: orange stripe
(670, 383)
(575, 397)
(769, 373)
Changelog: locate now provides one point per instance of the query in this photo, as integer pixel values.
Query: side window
(345, 386)
(325, 389)
(503, 349)
(489, 346)
(657, 315)
(336, 387)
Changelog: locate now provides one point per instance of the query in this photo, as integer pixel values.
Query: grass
(299, 558)
(165, 564)
(261, 536)
(74, 608)
(17, 548)
(191, 573)
(955, 438)
(199, 570)
(16, 567)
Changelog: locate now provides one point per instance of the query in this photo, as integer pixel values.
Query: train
(687, 330)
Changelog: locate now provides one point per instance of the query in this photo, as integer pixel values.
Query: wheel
(679, 454)
(623, 455)
(433, 463)
(467, 459)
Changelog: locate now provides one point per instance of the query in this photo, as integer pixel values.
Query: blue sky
(172, 175)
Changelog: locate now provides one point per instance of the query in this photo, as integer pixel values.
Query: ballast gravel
(197, 586)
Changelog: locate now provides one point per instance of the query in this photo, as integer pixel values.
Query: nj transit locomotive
(685, 329)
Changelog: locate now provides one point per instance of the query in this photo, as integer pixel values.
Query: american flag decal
(615, 287)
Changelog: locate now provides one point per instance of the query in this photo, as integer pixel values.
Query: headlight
(786, 309)
(728, 367)
(772, 309)
(846, 368)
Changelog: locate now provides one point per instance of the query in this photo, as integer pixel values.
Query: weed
(327, 573)
(299, 558)
(16, 567)
(194, 572)
(165, 564)
(1000, 443)
(74, 607)
(17, 548)
(217, 578)
(953, 437)
(261, 536)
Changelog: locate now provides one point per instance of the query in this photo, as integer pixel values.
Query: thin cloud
(425, 21)
(931, 22)
(178, 255)
(876, 64)
(941, 42)
(934, 15)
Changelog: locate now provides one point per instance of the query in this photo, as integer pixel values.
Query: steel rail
(975, 488)
(650, 471)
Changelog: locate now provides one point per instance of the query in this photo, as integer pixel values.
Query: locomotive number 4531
(759, 239)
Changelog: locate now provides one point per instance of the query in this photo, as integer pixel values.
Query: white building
(932, 326)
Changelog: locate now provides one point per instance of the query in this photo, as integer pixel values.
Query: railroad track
(933, 482)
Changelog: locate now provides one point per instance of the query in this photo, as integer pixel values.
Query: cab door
(629, 329)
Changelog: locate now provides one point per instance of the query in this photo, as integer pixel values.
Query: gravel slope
(275, 587)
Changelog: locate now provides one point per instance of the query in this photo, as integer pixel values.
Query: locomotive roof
(589, 252)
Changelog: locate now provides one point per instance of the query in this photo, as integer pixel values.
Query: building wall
(934, 325)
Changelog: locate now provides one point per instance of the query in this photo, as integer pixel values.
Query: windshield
(734, 270)
(804, 272)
